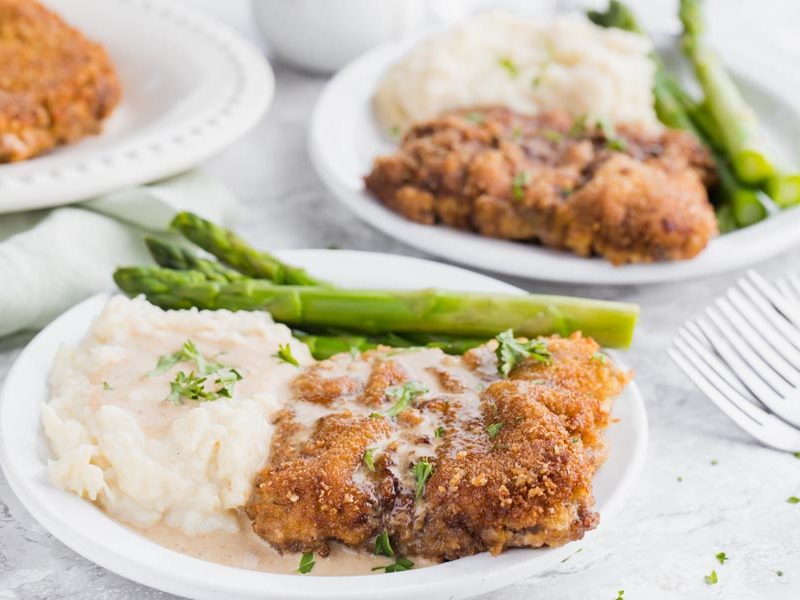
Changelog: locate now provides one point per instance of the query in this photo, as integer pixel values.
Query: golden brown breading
(512, 460)
(55, 85)
(629, 196)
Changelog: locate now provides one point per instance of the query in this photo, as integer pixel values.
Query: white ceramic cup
(324, 35)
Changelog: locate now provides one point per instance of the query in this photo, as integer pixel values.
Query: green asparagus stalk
(324, 346)
(238, 254)
(429, 311)
(174, 256)
(784, 189)
(737, 123)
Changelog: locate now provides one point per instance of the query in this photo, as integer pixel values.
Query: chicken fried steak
(627, 195)
(55, 85)
(438, 451)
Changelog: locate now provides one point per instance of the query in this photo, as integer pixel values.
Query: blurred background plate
(345, 138)
(190, 88)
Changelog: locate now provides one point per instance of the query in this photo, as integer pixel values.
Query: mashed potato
(527, 65)
(116, 440)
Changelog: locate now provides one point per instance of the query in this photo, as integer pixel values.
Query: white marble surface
(706, 486)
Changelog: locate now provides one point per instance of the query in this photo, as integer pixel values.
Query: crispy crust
(55, 85)
(529, 485)
(637, 197)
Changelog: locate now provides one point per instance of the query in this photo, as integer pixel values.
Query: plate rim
(762, 240)
(432, 580)
(160, 155)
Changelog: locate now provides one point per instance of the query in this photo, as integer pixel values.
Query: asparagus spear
(324, 346)
(174, 256)
(428, 311)
(238, 254)
(784, 189)
(737, 123)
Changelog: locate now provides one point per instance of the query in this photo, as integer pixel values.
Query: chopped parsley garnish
(714, 462)
(509, 65)
(475, 117)
(680, 478)
(401, 564)
(721, 557)
(106, 386)
(617, 143)
(188, 353)
(306, 563)
(711, 579)
(578, 126)
(519, 183)
(438, 432)
(404, 396)
(494, 429)
(796, 454)
(284, 353)
(395, 131)
(511, 351)
(552, 135)
(383, 546)
(620, 595)
(600, 357)
(375, 415)
(779, 573)
(793, 500)
(369, 460)
(516, 133)
(422, 472)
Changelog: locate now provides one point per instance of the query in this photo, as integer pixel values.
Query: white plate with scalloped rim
(191, 86)
(345, 138)
(88, 531)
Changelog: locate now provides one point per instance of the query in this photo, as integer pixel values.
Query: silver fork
(744, 355)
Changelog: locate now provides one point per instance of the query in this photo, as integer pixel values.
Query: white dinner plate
(88, 531)
(345, 138)
(190, 87)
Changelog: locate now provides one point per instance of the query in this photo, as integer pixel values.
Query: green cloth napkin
(52, 259)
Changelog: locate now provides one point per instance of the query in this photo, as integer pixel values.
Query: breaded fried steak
(627, 195)
(55, 85)
(440, 452)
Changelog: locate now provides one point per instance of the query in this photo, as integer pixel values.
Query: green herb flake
(395, 131)
(404, 396)
(383, 546)
(509, 65)
(438, 432)
(680, 478)
(516, 133)
(369, 458)
(796, 454)
(422, 472)
(187, 353)
(401, 564)
(600, 357)
(552, 135)
(306, 563)
(711, 579)
(475, 117)
(494, 429)
(779, 573)
(793, 500)
(617, 143)
(721, 557)
(284, 353)
(375, 415)
(620, 595)
(519, 183)
(578, 126)
(714, 462)
(107, 387)
(511, 352)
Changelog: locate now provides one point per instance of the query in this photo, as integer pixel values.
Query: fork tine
(777, 339)
(780, 322)
(757, 343)
(787, 410)
(769, 430)
(747, 356)
(750, 419)
(790, 310)
(696, 341)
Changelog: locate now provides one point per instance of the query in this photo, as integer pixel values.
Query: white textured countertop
(706, 486)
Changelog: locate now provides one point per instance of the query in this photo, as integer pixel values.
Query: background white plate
(345, 138)
(88, 531)
(190, 87)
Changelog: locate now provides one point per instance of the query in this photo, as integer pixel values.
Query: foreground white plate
(88, 531)
(190, 87)
(345, 138)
